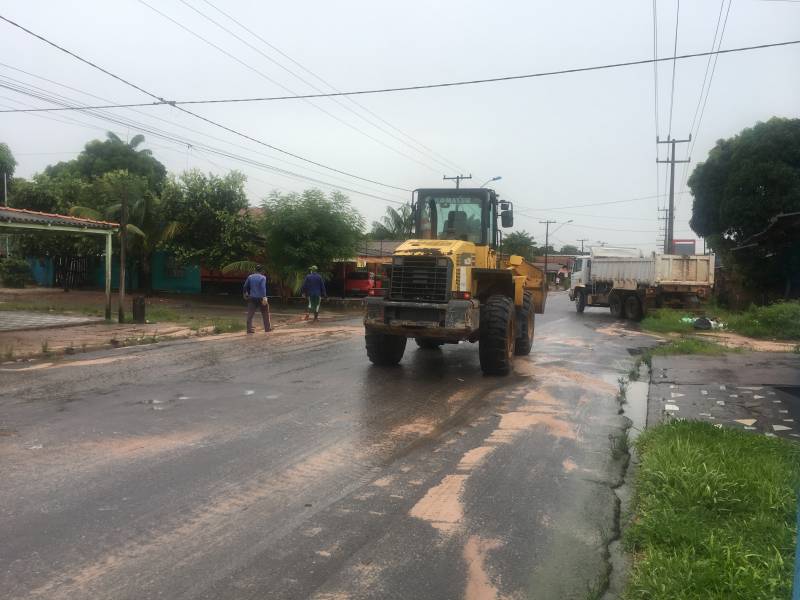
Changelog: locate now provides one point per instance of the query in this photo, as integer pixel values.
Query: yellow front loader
(450, 284)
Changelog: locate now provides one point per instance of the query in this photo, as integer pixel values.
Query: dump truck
(450, 283)
(630, 283)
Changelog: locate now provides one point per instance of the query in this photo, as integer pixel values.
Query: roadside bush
(779, 320)
(15, 272)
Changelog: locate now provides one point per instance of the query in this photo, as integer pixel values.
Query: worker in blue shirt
(313, 288)
(255, 292)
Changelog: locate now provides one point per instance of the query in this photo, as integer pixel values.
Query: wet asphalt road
(286, 466)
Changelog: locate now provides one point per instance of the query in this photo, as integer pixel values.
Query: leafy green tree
(113, 154)
(745, 181)
(520, 243)
(146, 226)
(308, 229)
(214, 228)
(569, 249)
(54, 194)
(7, 162)
(396, 224)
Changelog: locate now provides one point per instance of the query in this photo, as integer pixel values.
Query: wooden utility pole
(457, 179)
(669, 238)
(581, 241)
(123, 240)
(546, 247)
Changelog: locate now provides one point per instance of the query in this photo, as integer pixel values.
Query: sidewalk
(755, 391)
(41, 321)
(16, 320)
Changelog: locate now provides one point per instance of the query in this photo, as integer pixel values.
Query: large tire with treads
(497, 335)
(526, 316)
(615, 304)
(383, 349)
(633, 308)
(428, 343)
(580, 301)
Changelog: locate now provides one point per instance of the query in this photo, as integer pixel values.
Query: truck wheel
(615, 303)
(525, 323)
(633, 308)
(580, 301)
(497, 334)
(428, 344)
(385, 350)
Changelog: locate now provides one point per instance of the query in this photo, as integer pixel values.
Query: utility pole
(581, 241)
(670, 233)
(123, 239)
(5, 203)
(546, 247)
(457, 179)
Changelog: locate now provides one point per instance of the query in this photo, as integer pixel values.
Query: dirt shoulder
(168, 317)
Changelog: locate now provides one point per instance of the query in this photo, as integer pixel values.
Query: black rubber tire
(385, 350)
(428, 344)
(526, 321)
(633, 308)
(497, 335)
(616, 305)
(580, 301)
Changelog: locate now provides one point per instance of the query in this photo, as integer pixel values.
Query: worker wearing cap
(255, 292)
(313, 288)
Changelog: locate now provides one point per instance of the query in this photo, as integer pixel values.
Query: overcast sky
(556, 141)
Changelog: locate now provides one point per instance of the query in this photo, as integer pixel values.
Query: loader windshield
(452, 218)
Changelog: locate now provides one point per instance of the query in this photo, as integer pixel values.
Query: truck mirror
(507, 218)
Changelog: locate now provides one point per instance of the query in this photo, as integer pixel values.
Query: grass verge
(777, 321)
(683, 345)
(715, 515)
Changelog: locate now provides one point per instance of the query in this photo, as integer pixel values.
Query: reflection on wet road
(286, 466)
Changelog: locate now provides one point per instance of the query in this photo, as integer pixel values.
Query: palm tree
(145, 227)
(396, 224)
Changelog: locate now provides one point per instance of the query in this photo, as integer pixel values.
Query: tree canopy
(569, 249)
(215, 228)
(112, 154)
(520, 243)
(396, 224)
(747, 180)
(309, 229)
(7, 161)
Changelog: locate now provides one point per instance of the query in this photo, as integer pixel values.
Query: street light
(562, 224)
(498, 178)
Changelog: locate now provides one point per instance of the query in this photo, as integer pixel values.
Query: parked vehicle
(630, 283)
(359, 283)
(450, 284)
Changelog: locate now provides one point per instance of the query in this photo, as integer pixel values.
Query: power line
(711, 79)
(200, 146)
(655, 88)
(432, 155)
(674, 65)
(202, 118)
(591, 204)
(708, 65)
(135, 124)
(48, 96)
(180, 103)
(280, 85)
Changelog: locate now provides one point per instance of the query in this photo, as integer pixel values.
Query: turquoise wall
(131, 274)
(43, 271)
(171, 277)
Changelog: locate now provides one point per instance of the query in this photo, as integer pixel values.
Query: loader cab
(468, 215)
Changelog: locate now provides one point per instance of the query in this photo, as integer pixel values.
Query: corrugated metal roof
(32, 217)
